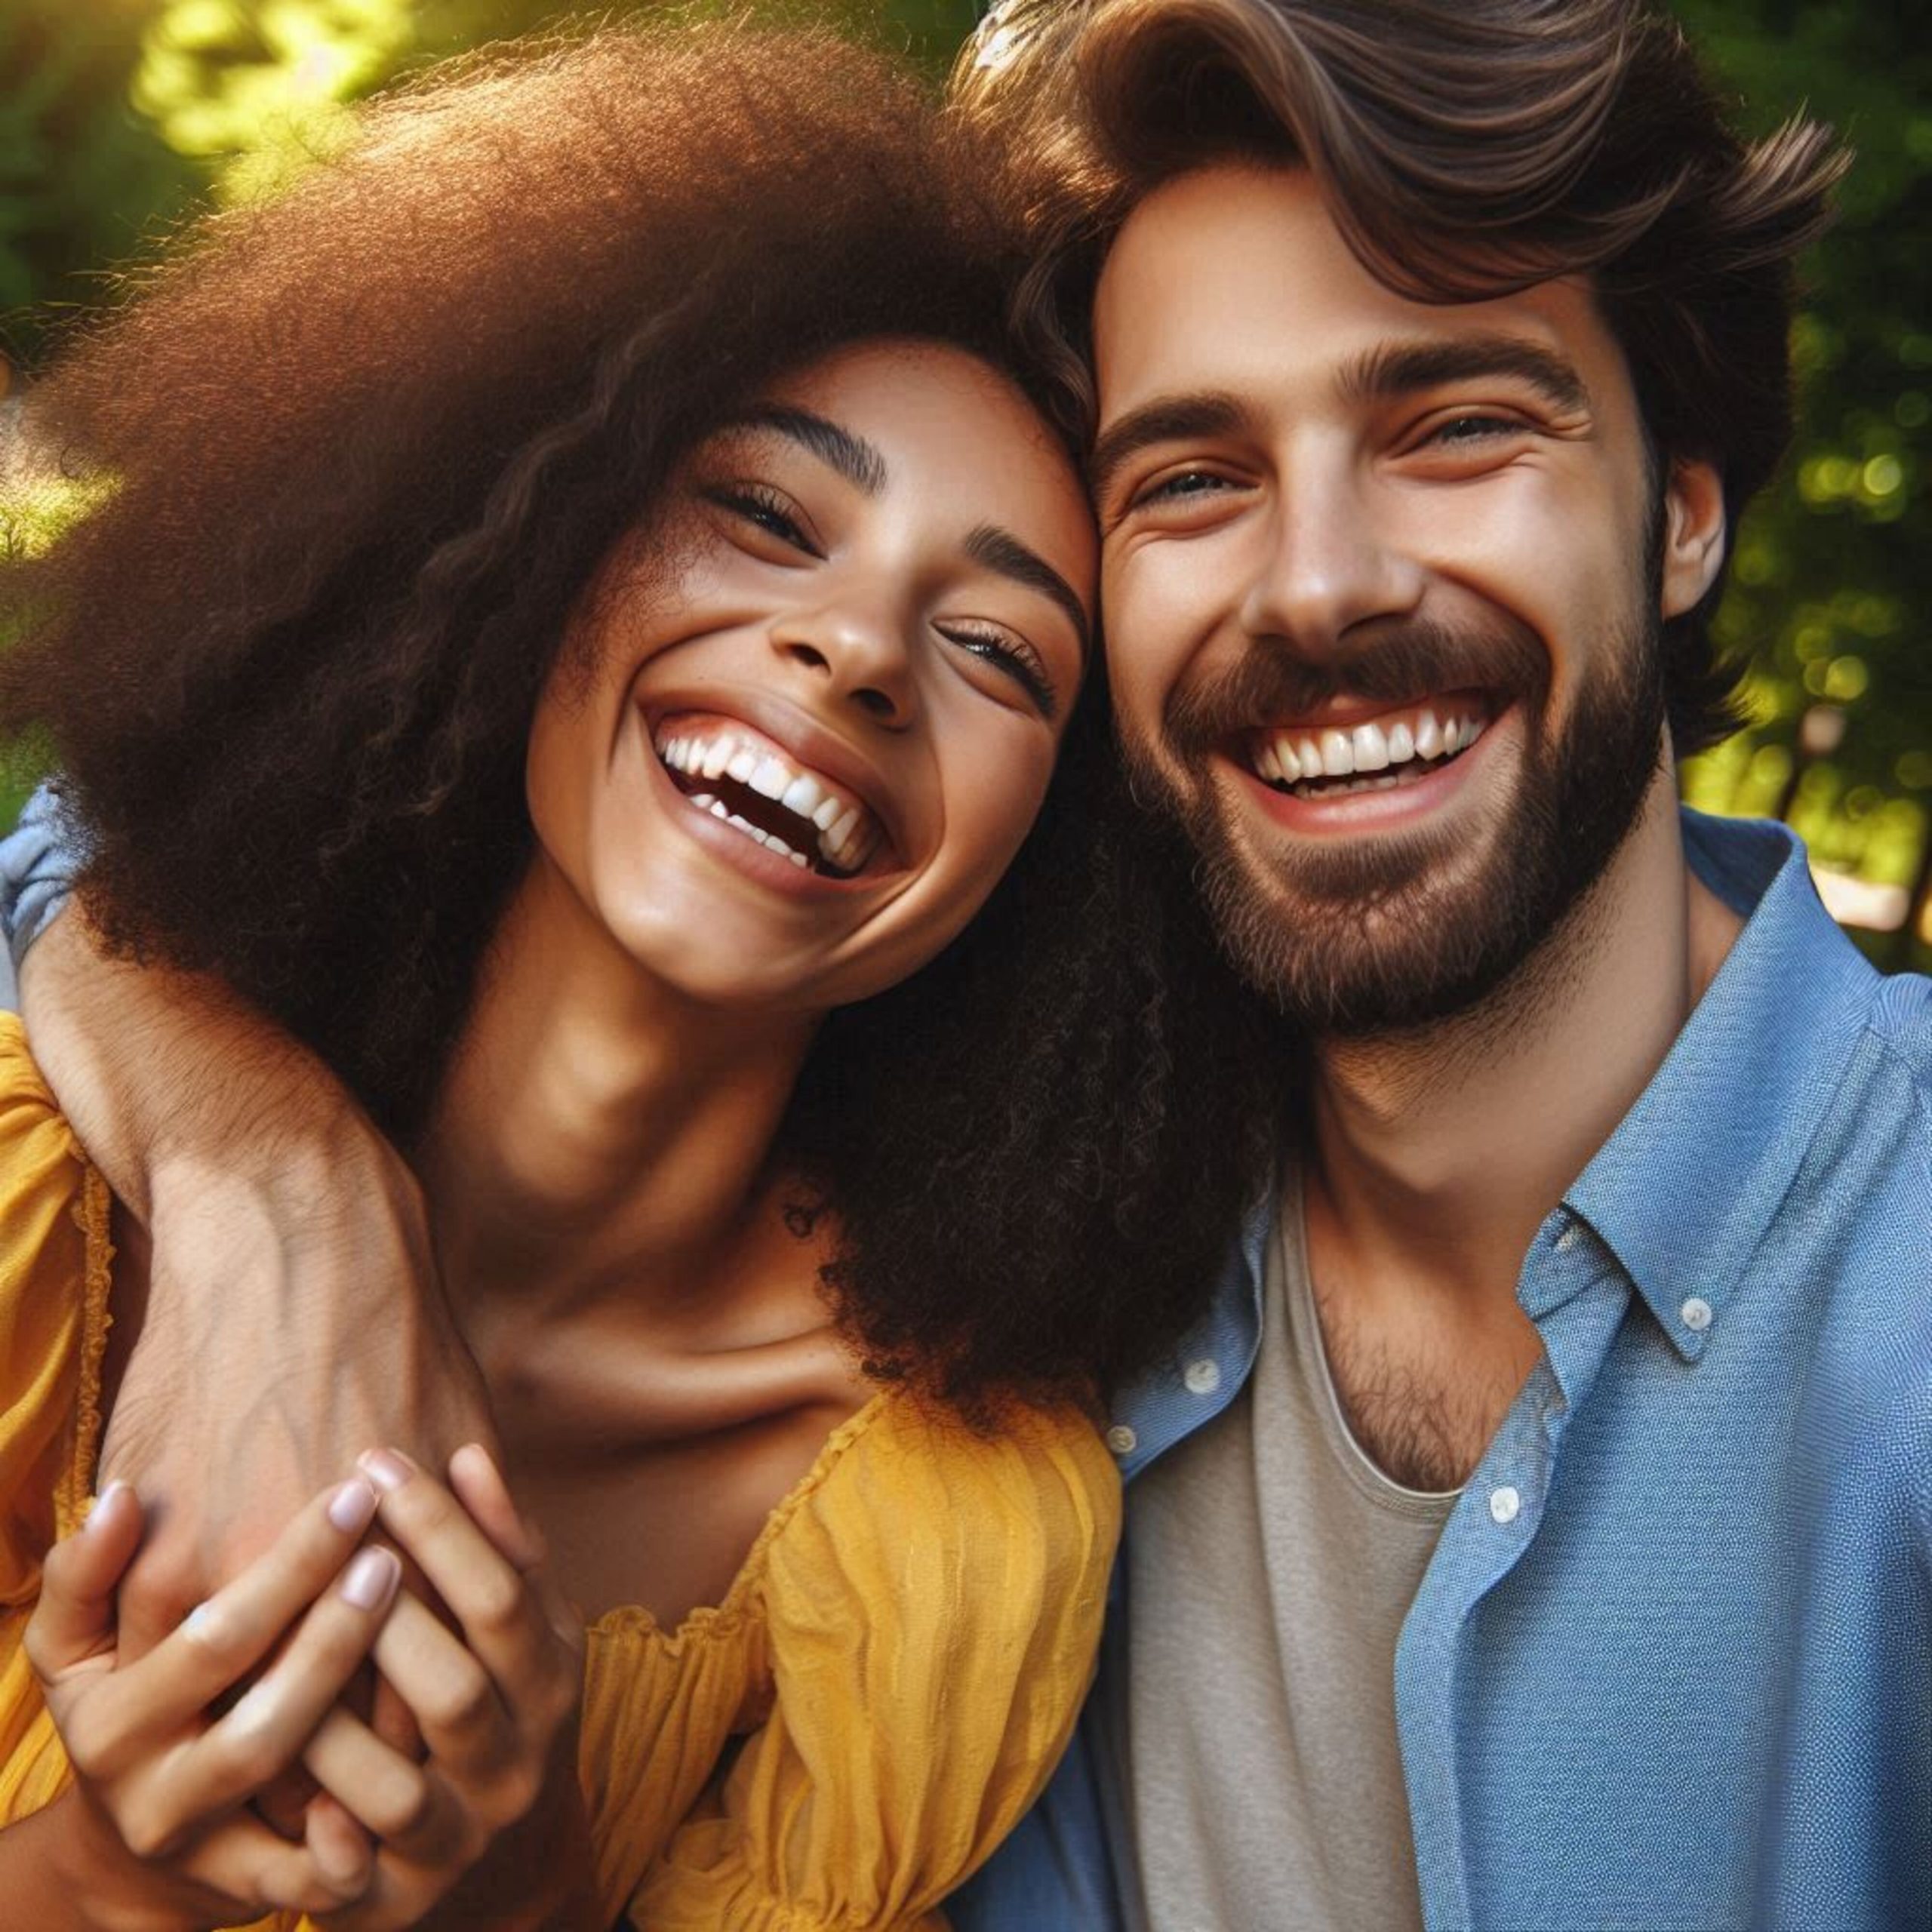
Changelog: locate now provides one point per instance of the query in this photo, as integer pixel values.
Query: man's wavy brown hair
(356, 454)
(1466, 148)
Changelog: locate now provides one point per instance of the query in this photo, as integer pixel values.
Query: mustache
(1393, 665)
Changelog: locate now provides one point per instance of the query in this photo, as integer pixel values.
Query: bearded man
(1534, 1531)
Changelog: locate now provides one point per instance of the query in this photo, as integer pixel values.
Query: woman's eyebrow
(858, 461)
(1002, 551)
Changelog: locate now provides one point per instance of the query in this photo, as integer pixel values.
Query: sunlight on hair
(36, 511)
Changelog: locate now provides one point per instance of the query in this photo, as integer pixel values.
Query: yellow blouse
(902, 1654)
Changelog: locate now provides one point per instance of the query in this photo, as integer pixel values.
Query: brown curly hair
(1466, 148)
(364, 446)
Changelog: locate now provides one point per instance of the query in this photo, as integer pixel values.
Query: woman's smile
(760, 784)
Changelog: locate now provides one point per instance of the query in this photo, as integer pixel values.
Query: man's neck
(1435, 1156)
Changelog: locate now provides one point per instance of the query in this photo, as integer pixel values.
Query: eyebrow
(1166, 419)
(858, 461)
(999, 550)
(1396, 369)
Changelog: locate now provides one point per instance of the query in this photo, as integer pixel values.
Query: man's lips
(1348, 747)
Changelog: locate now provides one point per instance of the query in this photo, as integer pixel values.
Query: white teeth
(1360, 751)
(847, 836)
(770, 779)
(802, 796)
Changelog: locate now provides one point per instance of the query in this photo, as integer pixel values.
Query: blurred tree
(1834, 569)
(114, 114)
(83, 176)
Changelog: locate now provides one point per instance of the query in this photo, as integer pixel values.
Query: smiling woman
(592, 605)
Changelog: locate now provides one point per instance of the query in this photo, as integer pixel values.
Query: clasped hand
(158, 1827)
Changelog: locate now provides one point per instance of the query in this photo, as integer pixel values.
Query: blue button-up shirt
(1671, 1665)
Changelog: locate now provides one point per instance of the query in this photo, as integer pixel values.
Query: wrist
(83, 1865)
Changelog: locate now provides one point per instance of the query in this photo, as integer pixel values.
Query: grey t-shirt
(1270, 1566)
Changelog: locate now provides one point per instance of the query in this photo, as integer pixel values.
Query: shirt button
(1696, 1314)
(1121, 1440)
(1504, 1503)
(1203, 1377)
(1567, 1240)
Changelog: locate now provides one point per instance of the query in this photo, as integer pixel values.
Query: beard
(1377, 934)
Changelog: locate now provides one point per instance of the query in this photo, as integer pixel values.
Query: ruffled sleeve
(54, 1263)
(934, 1611)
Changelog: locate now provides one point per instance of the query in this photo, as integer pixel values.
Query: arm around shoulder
(291, 1316)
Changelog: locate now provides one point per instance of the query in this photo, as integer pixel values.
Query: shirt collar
(1683, 1192)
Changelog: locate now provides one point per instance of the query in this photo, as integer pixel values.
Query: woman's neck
(598, 1137)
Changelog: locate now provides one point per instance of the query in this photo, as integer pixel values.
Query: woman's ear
(1694, 533)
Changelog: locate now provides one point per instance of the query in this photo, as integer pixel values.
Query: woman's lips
(755, 785)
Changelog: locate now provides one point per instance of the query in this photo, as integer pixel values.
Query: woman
(590, 567)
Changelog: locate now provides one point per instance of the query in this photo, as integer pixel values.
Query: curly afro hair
(356, 452)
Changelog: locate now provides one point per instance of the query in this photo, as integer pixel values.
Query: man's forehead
(1236, 278)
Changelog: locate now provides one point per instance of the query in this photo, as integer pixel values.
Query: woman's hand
(493, 1824)
(155, 1833)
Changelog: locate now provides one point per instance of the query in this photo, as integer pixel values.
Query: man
(1532, 1537)
(1528, 1537)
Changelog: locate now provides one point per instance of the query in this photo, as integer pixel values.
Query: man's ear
(1693, 534)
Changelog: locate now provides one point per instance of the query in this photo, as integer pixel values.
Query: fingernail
(105, 1503)
(351, 1507)
(371, 1579)
(387, 1469)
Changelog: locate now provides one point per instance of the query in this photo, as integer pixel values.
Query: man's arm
(293, 1317)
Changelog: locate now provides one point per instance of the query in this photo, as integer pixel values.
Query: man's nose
(861, 650)
(1327, 561)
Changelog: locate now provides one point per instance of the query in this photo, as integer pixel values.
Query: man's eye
(1182, 484)
(1464, 430)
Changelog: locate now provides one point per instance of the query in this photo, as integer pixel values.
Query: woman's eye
(764, 509)
(1012, 655)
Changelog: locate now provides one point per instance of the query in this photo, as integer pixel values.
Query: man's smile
(1339, 750)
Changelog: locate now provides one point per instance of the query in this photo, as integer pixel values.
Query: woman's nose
(863, 654)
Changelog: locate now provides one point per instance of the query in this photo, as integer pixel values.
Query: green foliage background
(116, 114)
